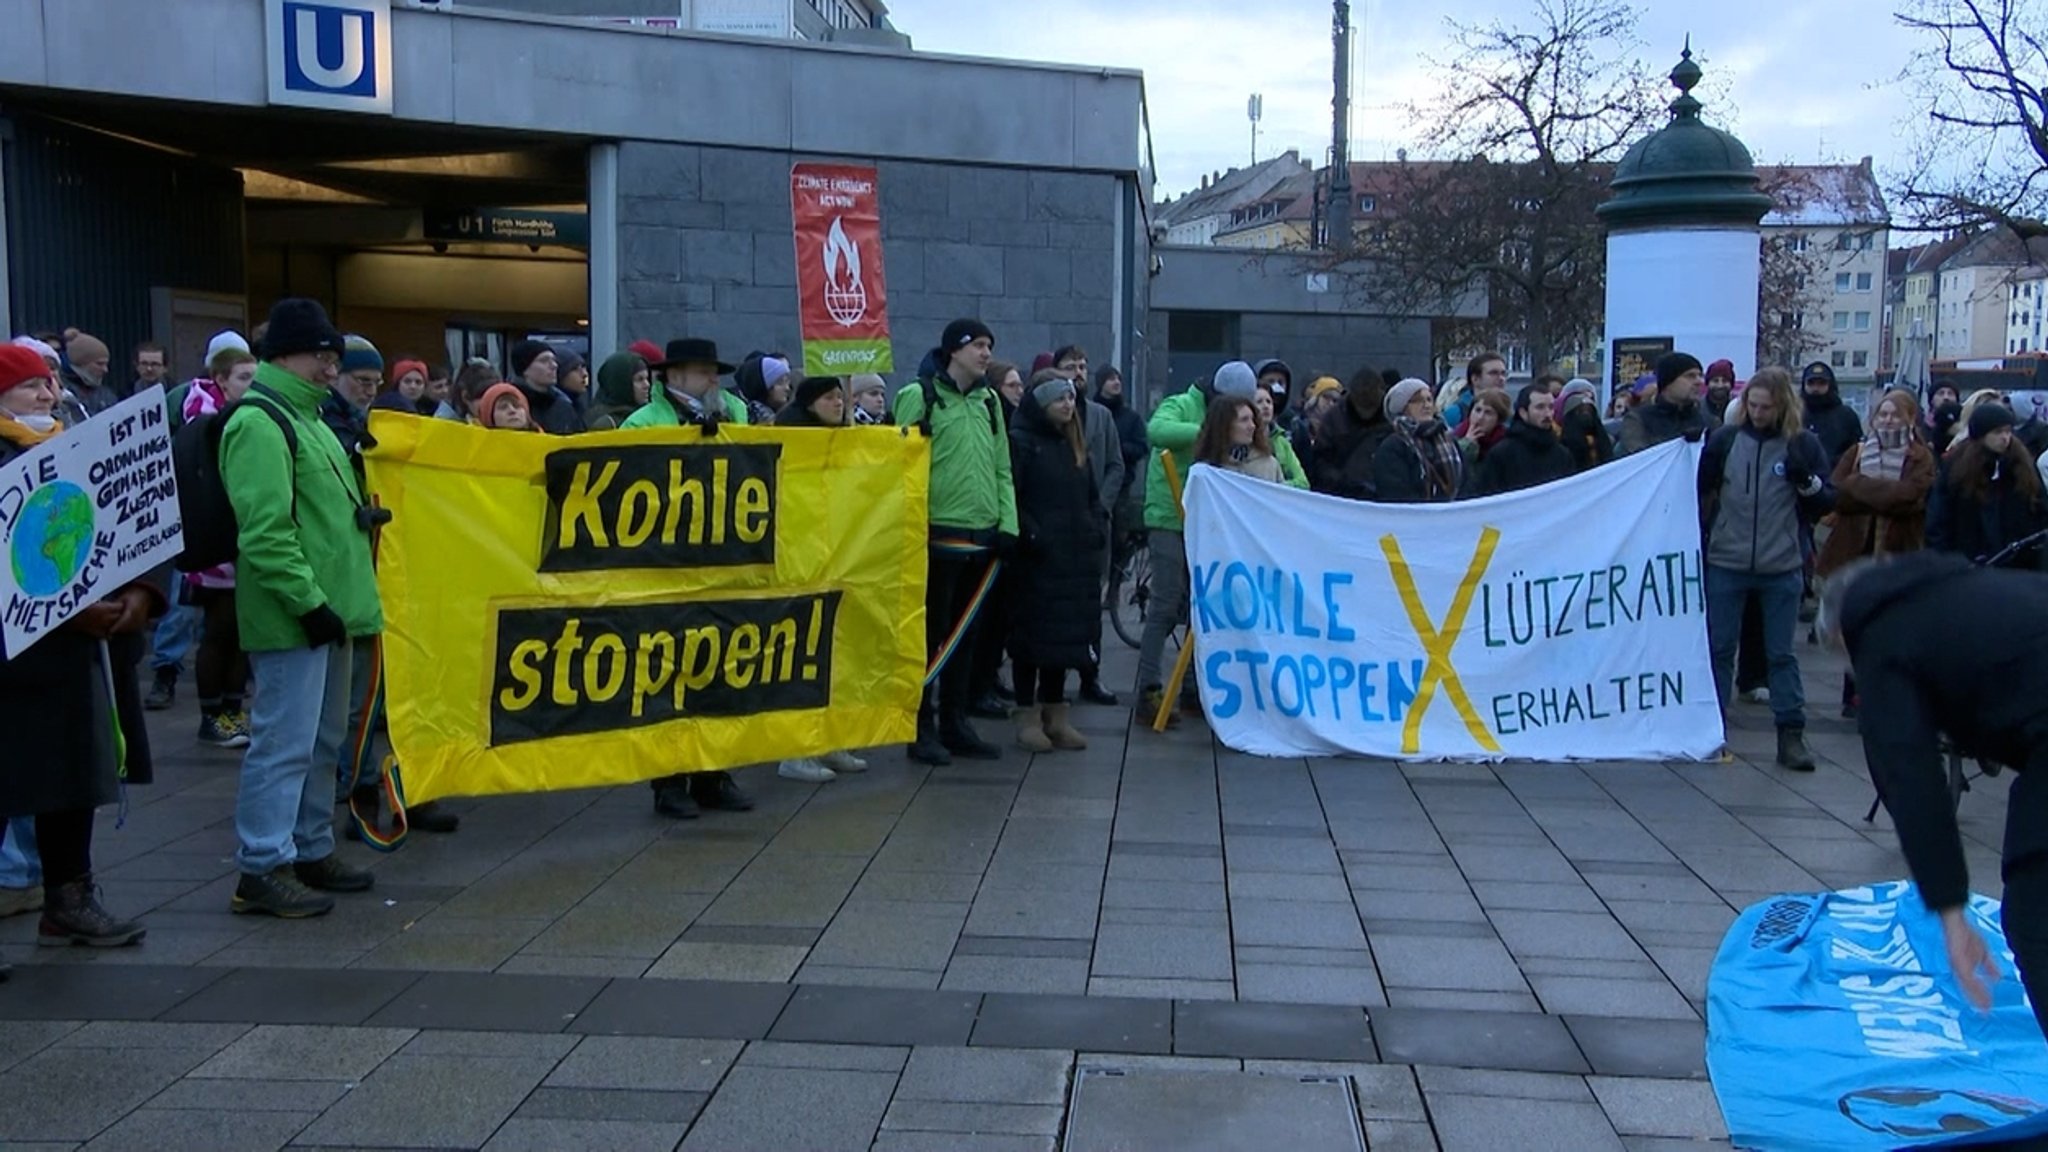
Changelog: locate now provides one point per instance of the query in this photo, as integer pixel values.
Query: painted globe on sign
(846, 303)
(52, 537)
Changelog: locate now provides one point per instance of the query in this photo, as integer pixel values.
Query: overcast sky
(1808, 81)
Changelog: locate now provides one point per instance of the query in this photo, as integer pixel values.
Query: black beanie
(524, 354)
(961, 333)
(300, 325)
(1990, 417)
(1676, 364)
(812, 387)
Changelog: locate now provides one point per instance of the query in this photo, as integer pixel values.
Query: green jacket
(1173, 428)
(660, 411)
(294, 559)
(971, 487)
(1290, 464)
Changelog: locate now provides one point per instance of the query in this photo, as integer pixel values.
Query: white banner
(84, 514)
(1566, 622)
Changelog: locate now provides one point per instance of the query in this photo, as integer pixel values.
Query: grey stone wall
(706, 249)
(1312, 344)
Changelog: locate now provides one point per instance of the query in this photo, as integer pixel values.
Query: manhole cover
(1138, 1110)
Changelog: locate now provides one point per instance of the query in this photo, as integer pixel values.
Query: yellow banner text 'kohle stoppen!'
(597, 610)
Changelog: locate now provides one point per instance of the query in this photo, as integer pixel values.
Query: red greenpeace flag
(841, 294)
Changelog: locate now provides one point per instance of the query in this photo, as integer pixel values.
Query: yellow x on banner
(1437, 644)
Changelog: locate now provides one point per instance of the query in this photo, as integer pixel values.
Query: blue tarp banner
(1834, 1024)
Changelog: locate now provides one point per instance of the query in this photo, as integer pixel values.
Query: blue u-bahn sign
(333, 54)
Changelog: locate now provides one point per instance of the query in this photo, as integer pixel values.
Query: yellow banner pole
(1169, 698)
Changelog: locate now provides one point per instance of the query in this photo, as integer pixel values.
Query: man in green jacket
(689, 394)
(1173, 429)
(973, 519)
(305, 588)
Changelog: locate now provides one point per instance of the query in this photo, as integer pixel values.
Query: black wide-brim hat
(691, 351)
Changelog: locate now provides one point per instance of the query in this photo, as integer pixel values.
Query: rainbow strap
(361, 751)
(966, 621)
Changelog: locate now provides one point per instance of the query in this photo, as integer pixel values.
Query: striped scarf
(1443, 465)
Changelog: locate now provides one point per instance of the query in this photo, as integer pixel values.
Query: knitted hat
(1672, 365)
(1818, 370)
(1399, 396)
(810, 388)
(47, 353)
(359, 355)
(1722, 370)
(1041, 362)
(1323, 386)
(1988, 418)
(19, 365)
(1577, 391)
(299, 325)
(82, 347)
(399, 370)
(223, 340)
(1052, 390)
(646, 350)
(1235, 379)
(959, 334)
(1647, 383)
(774, 370)
(867, 382)
(487, 404)
(567, 362)
(525, 353)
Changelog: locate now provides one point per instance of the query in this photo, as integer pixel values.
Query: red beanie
(399, 370)
(487, 404)
(1721, 370)
(18, 366)
(646, 350)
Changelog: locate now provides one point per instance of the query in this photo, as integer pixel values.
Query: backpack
(212, 534)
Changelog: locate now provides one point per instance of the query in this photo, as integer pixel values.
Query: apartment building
(1832, 221)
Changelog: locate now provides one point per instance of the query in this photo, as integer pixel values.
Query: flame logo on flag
(846, 299)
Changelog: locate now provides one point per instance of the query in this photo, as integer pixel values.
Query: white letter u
(353, 26)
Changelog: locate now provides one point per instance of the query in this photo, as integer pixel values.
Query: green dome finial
(1686, 173)
(1685, 77)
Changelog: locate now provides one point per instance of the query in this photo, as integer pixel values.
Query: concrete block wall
(706, 249)
(1312, 344)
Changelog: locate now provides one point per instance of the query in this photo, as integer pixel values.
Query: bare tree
(1980, 155)
(1788, 294)
(1528, 128)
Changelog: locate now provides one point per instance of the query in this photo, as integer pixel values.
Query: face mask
(43, 423)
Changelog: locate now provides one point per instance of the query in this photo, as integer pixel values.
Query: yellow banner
(603, 609)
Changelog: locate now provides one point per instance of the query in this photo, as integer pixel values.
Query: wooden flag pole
(1169, 698)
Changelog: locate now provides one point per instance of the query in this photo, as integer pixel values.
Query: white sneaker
(843, 762)
(20, 901)
(807, 770)
(1758, 695)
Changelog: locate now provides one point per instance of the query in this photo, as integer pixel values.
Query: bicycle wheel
(1132, 594)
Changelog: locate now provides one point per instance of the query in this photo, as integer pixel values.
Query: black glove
(1008, 546)
(1797, 476)
(709, 421)
(1695, 435)
(323, 627)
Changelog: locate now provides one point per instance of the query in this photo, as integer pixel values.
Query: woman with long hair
(1421, 462)
(1233, 439)
(1056, 596)
(1579, 427)
(1881, 489)
(1989, 496)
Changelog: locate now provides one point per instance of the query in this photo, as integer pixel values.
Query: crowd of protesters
(1041, 480)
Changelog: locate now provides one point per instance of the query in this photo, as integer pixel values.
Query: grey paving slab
(1046, 974)
(911, 979)
(1400, 1136)
(776, 1109)
(1515, 895)
(891, 1141)
(973, 1119)
(1507, 1040)
(1309, 983)
(831, 1057)
(1385, 1091)
(1043, 912)
(986, 1075)
(1296, 924)
(1666, 1049)
(523, 1134)
(73, 1093)
(1681, 1109)
(144, 1034)
(1603, 996)
(93, 992)
(919, 936)
(275, 1052)
(647, 1063)
(406, 1103)
(1460, 1001)
(1576, 935)
(848, 1015)
(612, 1104)
(1162, 989)
(1383, 904)
(293, 996)
(1476, 1124)
(256, 1095)
(1209, 1112)
(1446, 963)
(1272, 1031)
(1082, 1023)
(708, 1010)
(155, 1129)
(1149, 951)
(21, 1039)
(1437, 1080)
(694, 960)
(489, 1002)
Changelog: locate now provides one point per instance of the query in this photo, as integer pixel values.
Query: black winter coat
(1130, 438)
(1984, 687)
(1977, 528)
(1345, 445)
(1526, 457)
(1648, 425)
(1834, 424)
(1397, 475)
(1056, 580)
(1584, 435)
(59, 718)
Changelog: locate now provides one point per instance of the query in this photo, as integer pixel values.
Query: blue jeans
(284, 810)
(176, 635)
(20, 865)
(358, 759)
(1778, 595)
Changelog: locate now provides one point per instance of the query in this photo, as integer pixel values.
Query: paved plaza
(1122, 948)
